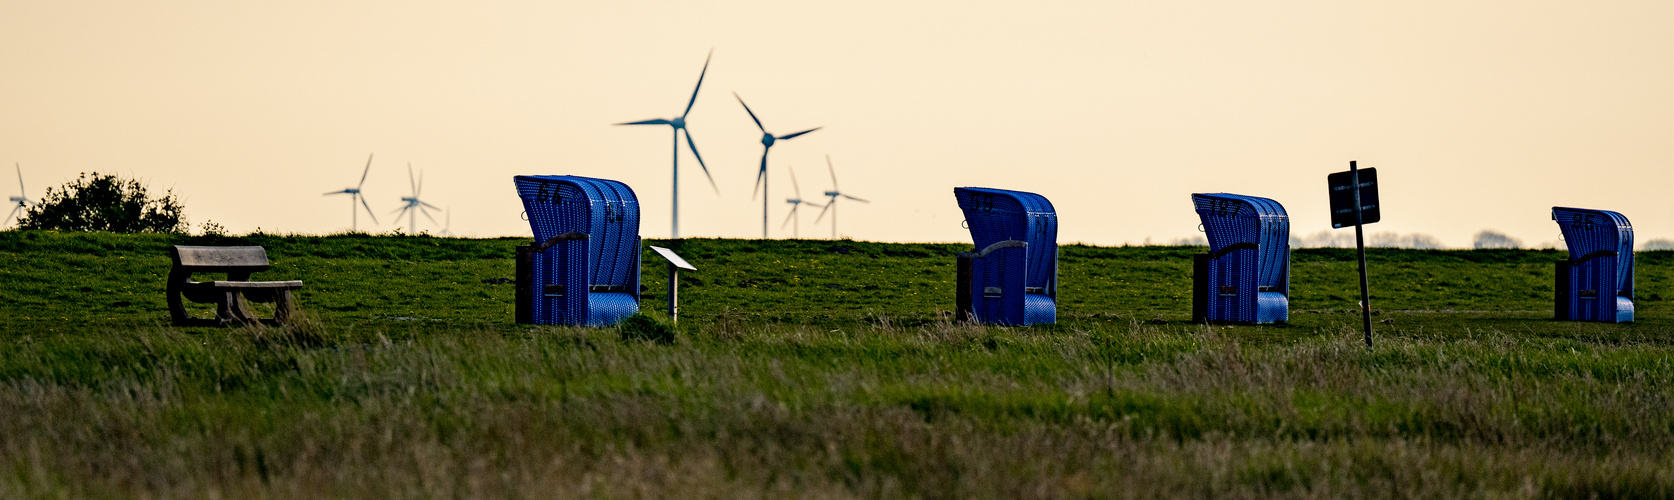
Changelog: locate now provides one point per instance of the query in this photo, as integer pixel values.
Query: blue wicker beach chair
(584, 267)
(1012, 277)
(1245, 277)
(1596, 283)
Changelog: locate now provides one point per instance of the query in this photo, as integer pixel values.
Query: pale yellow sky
(1476, 114)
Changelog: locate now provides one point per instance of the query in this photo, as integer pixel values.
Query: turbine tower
(834, 193)
(447, 228)
(679, 124)
(413, 205)
(767, 141)
(21, 199)
(355, 196)
(795, 204)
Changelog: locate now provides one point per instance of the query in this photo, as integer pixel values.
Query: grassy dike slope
(822, 369)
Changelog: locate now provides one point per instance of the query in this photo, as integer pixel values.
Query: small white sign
(672, 258)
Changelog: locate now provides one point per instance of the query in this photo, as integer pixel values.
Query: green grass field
(822, 369)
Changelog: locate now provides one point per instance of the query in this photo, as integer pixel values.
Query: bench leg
(229, 310)
(282, 306)
(177, 309)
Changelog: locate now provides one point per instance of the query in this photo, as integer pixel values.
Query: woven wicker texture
(599, 276)
(1249, 266)
(1026, 278)
(1596, 284)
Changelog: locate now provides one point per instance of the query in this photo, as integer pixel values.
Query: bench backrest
(1238, 220)
(1589, 233)
(219, 259)
(605, 210)
(996, 215)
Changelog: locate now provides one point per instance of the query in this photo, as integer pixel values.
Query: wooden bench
(228, 295)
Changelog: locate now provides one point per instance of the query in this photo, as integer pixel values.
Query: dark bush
(105, 202)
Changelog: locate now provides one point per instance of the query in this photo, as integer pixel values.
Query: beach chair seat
(584, 266)
(1011, 277)
(1245, 277)
(1596, 282)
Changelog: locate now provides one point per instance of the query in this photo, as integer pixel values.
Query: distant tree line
(1489, 238)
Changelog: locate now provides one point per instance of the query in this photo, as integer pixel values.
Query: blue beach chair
(1012, 277)
(1596, 283)
(1245, 277)
(584, 267)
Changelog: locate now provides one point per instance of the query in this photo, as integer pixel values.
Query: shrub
(105, 202)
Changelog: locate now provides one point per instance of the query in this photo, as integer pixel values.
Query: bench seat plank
(290, 285)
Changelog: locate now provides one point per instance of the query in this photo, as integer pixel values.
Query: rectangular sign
(1342, 198)
(672, 258)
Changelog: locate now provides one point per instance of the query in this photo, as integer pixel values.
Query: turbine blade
(345, 191)
(788, 217)
(22, 191)
(797, 188)
(833, 171)
(410, 182)
(699, 84)
(761, 174)
(856, 199)
(368, 209)
(366, 171)
(693, 145)
(426, 213)
(10, 215)
(401, 211)
(793, 136)
(439, 208)
(752, 113)
(822, 212)
(658, 121)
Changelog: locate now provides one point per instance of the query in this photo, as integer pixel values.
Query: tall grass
(404, 395)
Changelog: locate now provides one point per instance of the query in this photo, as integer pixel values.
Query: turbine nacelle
(678, 122)
(356, 196)
(768, 139)
(21, 199)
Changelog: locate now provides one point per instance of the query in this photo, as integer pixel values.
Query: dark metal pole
(1360, 251)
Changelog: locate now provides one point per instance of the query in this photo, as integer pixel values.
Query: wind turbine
(767, 141)
(413, 204)
(21, 199)
(795, 204)
(834, 194)
(447, 228)
(679, 124)
(354, 196)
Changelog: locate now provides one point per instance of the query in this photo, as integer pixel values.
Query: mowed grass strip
(409, 381)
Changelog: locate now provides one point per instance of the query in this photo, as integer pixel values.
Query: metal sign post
(1354, 201)
(675, 264)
